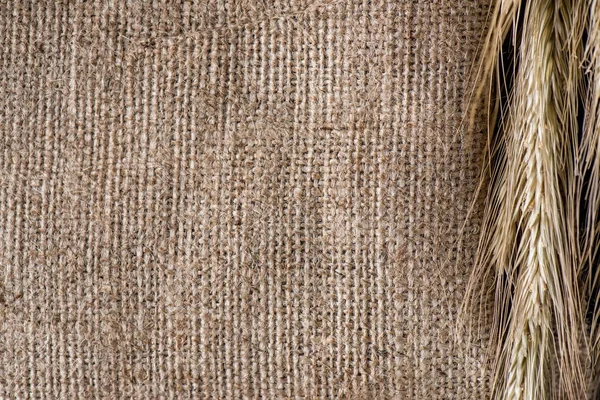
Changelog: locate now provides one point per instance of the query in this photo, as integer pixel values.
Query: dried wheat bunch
(529, 242)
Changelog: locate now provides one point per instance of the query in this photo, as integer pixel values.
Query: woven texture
(237, 199)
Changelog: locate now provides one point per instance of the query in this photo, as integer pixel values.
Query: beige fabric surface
(230, 199)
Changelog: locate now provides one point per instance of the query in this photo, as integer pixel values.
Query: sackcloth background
(235, 199)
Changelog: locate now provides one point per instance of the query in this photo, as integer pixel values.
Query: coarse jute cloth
(229, 199)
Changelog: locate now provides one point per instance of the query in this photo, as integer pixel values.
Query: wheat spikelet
(529, 236)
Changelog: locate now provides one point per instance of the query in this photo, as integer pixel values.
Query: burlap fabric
(229, 199)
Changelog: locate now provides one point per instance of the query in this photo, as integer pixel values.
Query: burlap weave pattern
(236, 199)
